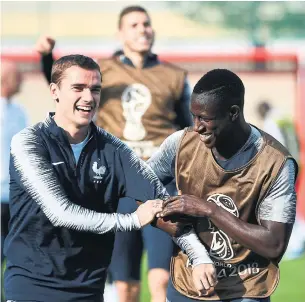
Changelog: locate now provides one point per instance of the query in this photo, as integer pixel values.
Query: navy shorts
(128, 248)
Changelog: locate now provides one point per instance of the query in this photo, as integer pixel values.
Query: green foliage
(259, 19)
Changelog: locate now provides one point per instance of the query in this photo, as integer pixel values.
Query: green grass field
(290, 289)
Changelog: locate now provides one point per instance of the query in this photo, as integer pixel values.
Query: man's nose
(198, 127)
(141, 28)
(87, 95)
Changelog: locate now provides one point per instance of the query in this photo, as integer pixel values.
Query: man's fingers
(157, 206)
(205, 282)
(50, 40)
(45, 44)
(212, 278)
(198, 285)
(171, 209)
(170, 199)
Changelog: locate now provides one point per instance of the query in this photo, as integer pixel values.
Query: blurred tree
(258, 19)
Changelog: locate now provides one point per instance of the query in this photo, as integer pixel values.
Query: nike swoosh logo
(60, 162)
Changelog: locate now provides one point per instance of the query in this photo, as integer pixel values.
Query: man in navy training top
(67, 176)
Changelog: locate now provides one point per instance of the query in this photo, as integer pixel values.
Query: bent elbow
(275, 252)
(54, 218)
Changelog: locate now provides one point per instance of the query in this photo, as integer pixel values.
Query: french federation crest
(98, 172)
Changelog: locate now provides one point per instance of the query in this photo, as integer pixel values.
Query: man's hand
(147, 211)
(204, 278)
(45, 45)
(187, 205)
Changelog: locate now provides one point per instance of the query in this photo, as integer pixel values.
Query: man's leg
(126, 258)
(159, 246)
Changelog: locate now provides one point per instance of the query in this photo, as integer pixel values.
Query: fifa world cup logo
(136, 99)
(221, 247)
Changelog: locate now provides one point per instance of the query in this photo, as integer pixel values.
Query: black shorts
(128, 248)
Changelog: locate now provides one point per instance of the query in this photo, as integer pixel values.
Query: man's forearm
(46, 65)
(185, 237)
(268, 239)
(194, 249)
(173, 228)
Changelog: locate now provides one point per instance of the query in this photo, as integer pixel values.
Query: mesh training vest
(241, 272)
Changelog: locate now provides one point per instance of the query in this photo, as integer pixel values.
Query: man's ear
(234, 112)
(54, 89)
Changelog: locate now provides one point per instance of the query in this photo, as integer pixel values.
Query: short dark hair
(221, 85)
(65, 62)
(130, 9)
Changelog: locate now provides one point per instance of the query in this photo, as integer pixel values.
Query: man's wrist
(211, 212)
(195, 250)
(136, 221)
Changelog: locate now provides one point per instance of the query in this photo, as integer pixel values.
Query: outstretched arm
(32, 170)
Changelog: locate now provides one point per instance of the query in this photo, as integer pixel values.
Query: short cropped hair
(130, 9)
(221, 85)
(65, 62)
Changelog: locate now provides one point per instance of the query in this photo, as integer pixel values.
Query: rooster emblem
(99, 172)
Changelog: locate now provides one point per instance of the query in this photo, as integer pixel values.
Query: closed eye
(78, 89)
(96, 90)
(204, 119)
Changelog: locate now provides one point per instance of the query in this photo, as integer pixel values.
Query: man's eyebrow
(96, 86)
(84, 85)
(204, 116)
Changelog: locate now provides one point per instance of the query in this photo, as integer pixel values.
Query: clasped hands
(183, 205)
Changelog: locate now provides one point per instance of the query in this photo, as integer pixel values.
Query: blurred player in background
(282, 128)
(142, 102)
(13, 119)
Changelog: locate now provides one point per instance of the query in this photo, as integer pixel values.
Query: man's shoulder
(30, 131)
(106, 63)
(109, 140)
(172, 67)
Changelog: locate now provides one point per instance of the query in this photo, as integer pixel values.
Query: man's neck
(75, 135)
(235, 142)
(137, 59)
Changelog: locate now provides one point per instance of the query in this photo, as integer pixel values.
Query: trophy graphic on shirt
(136, 99)
(221, 247)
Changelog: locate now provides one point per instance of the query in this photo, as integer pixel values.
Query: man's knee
(128, 291)
(158, 281)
